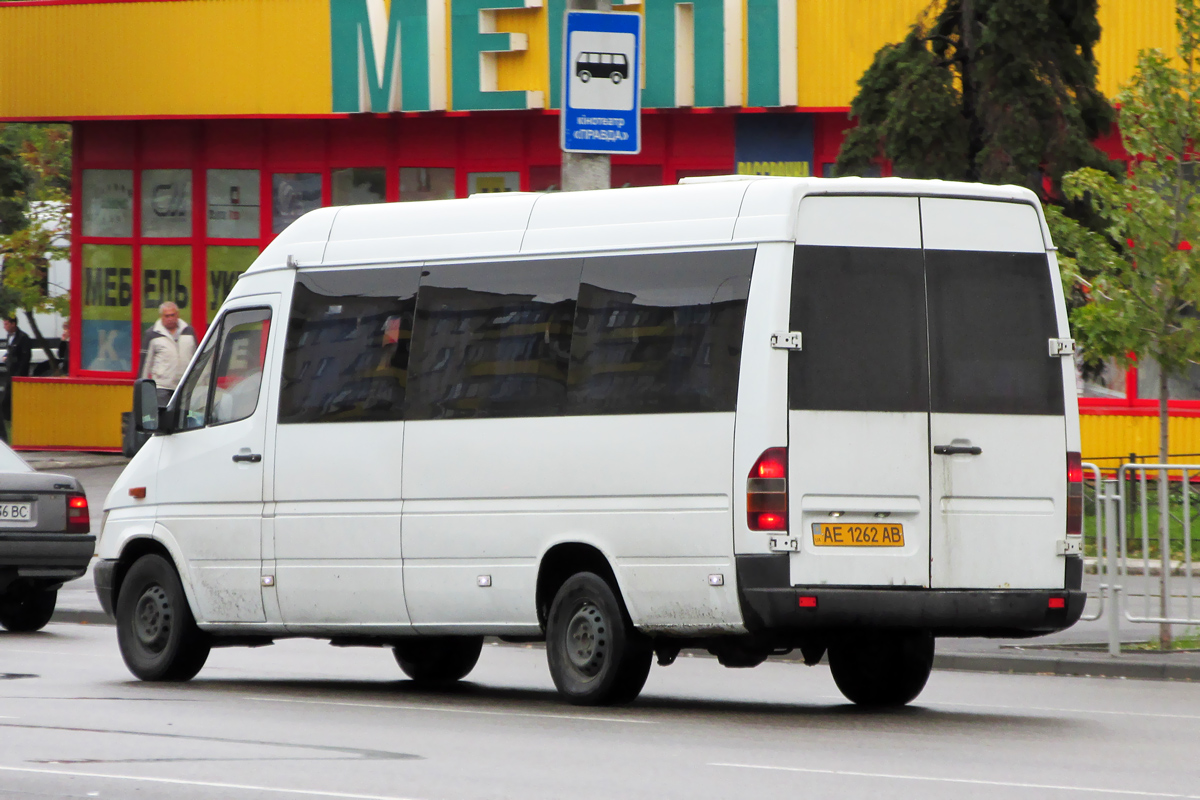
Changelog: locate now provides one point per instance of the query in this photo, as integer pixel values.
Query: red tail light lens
(1074, 494)
(78, 518)
(766, 492)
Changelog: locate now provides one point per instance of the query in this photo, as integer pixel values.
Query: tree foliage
(999, 91)
(1140, 279)
(37, 160)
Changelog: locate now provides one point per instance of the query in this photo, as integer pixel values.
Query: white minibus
(744, 415)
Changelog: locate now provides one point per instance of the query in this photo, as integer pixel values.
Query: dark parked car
(45, 540)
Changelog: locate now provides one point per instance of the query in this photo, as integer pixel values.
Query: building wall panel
(55, 414)
(1108, 439)
(186, 58)
(1129, 26)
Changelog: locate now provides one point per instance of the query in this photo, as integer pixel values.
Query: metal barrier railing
(1136, 475)
(1098, 547)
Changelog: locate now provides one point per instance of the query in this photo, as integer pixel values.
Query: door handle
(957, 450)
(251, 458)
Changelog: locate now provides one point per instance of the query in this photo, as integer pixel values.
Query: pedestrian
(18, 353)
(168, 347)
(64, 348)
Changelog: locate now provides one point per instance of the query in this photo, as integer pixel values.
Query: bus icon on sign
(614, 66)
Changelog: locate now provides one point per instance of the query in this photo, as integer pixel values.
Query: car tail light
(766, 492)
(1074, 494)
(78, 519)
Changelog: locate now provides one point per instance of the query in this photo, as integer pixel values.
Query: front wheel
(584, 75)
(27, 611)
(156, 631)
(438, 659)
(616, 77)
(595, 655)
(882, 669)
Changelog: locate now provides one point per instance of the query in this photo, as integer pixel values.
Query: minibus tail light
(766, 492)
(1074, 494)
(78, 518)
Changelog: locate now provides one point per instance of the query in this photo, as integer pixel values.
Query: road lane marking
(968, 781)
(206, 784)
(410, 707)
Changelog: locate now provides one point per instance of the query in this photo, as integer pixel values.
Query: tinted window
(861, 312)
(239, 370)
(659, 333)
(493, 340)
(347, 349)
(991, 315)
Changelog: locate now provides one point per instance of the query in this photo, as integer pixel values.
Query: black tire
(584, 75)
(27, 611)
(438, 659)
(595, 656)
(882, 669)
(615, 77)
(156, 631)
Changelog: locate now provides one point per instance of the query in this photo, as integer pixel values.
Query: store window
(233, 204)
(225, 264)
(167, 203)
(293, 194)
(108, 202)
(1179, 387)
(107, 318)
(493, 182)
(357, 185)
(426, 183)
(545, 179)
(624, 176)
(166, 278)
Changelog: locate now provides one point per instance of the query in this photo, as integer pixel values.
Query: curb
(1073, 667)
(960, 662)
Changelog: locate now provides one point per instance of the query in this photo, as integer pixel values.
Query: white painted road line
(968, 781)
(409, 707)
(241, 787)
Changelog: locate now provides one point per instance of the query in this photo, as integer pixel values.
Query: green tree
(41, 203)
(1140, 280)
(999, 91)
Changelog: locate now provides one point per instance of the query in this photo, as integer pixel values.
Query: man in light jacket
(169, 346)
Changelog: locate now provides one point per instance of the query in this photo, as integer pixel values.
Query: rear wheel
(156, 631)
(882, 669)
(29, 610)
(595, 655)
(438, 659)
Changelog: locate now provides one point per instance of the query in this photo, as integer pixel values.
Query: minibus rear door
(998, 476)
(858, 405)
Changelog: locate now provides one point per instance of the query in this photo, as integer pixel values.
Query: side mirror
(145, 406)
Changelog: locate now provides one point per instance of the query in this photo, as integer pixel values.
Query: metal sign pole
(1111, 510)
(584, 171)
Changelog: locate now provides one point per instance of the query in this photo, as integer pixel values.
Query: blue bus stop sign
(602, 98)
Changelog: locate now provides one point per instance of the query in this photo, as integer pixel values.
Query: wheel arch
(139, 546)
(567, 558)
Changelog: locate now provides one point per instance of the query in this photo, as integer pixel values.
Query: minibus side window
(239, 369)
(861, 311)
(347, 348)
(659, 333)
(492, 340)
(990, 316)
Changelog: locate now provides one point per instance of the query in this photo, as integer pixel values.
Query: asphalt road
(303, 719)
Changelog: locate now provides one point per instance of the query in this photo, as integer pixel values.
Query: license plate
(16, 512)
(850, 534)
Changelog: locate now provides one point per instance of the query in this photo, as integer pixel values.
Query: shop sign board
(601, 79)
